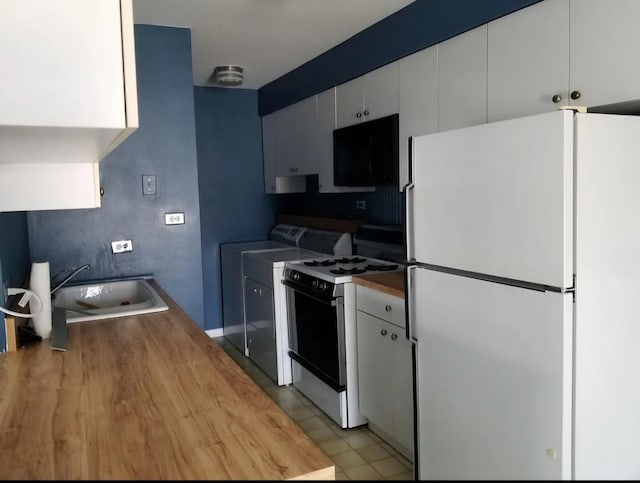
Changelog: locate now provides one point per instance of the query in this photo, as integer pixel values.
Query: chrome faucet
(86, 266)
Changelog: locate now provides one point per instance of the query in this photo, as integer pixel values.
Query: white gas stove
(339, 270)
(321, 312)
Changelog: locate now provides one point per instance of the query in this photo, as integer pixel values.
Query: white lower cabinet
(385, 381)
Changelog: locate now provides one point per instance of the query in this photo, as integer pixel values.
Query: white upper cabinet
(298, 141)
(274, 181)
(269, 152)
(528, 56)
(462, 80)
(294, 138)
(604, 67)
(68, 97)
(323, 144)
(369, 96)
(417, 102)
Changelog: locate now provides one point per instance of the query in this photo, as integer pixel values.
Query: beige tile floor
(358, 453)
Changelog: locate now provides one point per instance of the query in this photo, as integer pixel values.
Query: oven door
(316, 334)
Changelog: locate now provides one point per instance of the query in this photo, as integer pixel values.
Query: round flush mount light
(227, 75)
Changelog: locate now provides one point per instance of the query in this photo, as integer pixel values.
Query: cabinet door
(462, 80)
(375, 381)
(269, 153)
(62, 64)
(323, 144)
(260, 326)
(528, 53)
(294, 132)
(604, 51)
(273, 182)
(380, 90)
(417, 102)
(349, 102)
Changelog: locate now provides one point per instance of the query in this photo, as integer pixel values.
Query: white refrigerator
(523, 299)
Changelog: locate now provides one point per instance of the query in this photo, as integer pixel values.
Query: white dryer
(282, 237)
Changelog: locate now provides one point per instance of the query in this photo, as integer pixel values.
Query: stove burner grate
(376, 267)
(348, 271)
(350, 260)
(317, 263)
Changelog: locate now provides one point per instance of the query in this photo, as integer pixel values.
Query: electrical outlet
(360, 205)
(174, 218)
(121, 246)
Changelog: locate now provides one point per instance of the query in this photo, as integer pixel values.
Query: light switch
(148, 184)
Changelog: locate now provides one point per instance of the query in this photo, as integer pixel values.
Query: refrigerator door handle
(408, 188)
(408, 303)
(408, 222)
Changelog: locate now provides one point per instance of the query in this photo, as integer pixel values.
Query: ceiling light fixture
(227, 75)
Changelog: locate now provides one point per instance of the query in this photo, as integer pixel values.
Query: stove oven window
(317, 337)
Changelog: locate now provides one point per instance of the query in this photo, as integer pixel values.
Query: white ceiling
(267, 37)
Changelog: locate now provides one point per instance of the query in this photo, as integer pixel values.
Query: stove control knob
(295, 276)
(322, 286)
(315, 284)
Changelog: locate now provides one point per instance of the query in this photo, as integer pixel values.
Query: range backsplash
(383, 206)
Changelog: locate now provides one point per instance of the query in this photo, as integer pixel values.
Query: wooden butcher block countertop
(144, 397)
(387, 282)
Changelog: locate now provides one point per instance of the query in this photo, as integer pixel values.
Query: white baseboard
(214, 333)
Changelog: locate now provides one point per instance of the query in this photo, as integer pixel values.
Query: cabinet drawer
(381, 305)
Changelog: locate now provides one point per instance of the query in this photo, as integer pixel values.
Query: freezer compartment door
(493, 379)
(496, 199)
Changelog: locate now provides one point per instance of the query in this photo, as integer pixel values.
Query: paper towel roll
(40, 283)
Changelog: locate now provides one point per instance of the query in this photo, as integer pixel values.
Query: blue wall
(14, 256)
(233, 205)
(415, 27)
(163, 145)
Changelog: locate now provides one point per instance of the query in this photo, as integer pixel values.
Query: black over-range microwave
(366, 154)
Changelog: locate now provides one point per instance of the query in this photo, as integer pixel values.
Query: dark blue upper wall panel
(415, 27)
(233, 205)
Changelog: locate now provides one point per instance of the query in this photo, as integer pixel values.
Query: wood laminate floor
(358, 453)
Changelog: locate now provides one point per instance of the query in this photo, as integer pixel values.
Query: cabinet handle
(366, 112)
(359, 115)
(383, 332)
(575, 95)
(557, 98)
(387, 308)
(272, 187)
(394, 336)
(293, 170)
(258, 291)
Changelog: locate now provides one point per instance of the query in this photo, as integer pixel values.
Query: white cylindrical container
(40, 283)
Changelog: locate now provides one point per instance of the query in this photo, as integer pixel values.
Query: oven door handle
(327, 299)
